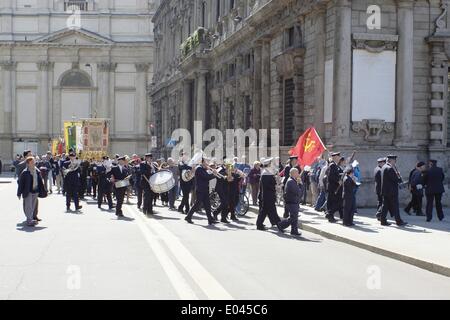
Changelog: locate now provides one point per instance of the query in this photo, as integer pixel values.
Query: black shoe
(224, 220)
(296, 234)
(188, 220)
(211, 222)
(402, 223)
(420, 214)
(79, 207)
(99, 207)
(348, 224)
(385, 223)
(261, 228)
(234, 218)
(407, 212)
(428, 220)
(440, 219)
(68, 209)
(378, 216)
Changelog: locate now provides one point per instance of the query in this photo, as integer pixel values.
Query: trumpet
(214, 172)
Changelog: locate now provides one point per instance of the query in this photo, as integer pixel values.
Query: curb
(426, 265)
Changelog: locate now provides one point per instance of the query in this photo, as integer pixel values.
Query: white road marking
(209, 285)
(177, 280)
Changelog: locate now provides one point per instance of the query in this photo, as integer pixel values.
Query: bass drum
(162, 181)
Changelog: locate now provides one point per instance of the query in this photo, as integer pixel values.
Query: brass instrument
(401, 183)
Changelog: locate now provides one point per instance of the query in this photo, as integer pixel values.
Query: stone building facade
(292, 64)
(53, 70)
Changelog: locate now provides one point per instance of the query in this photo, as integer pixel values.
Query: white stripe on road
(209, 285)
(177, 280)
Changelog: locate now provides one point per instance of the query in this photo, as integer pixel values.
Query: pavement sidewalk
(422, 244)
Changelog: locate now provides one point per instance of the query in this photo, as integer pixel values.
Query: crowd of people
(328, 185)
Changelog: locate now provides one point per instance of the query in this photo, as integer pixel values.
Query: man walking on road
(292, 198)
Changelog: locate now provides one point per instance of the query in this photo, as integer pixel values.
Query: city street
(93, 255)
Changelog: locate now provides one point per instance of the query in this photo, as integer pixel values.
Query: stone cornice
(8, 65)
(45, 65)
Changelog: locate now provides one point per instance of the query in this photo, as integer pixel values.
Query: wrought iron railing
(81, 5)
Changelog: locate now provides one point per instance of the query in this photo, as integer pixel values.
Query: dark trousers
(101, 194)
(94, 188)
(349, 210)
(390, 203)
(292, 221)
(202, 198)
(120, 195)
(334, 203)
(82, 189)
(148, 200)
(71, 193)
(223, 204)
(139, 195)
(437, 198)
(267, 208)
(415, 203)
(379, 204)
(185, 200)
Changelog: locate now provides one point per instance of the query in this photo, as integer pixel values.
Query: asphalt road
(93, 255)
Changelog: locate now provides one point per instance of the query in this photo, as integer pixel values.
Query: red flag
(309, 146)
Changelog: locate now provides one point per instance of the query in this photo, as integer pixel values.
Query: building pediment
(74, 36)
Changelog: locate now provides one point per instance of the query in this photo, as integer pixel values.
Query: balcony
(81, 5)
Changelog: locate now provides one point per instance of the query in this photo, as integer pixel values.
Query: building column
(319, 92)
(342, 84)
(8, 68)
(186, 107)
(201, 99)
(102, 109)
(265, 84)
(257, 82)
(45, 112)
(439, 96)
(405, 71)
(142, 70)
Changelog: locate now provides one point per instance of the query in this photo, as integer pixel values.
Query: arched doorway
(76, 102)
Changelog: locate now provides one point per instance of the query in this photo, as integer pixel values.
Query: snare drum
(162, 181)
(122, 183)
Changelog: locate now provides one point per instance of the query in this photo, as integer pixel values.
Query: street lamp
(93, 112)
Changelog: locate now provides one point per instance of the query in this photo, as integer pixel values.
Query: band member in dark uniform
(434, 181)
(202, 178)
(267, 196)
(118, 173)
(334, 180)
(233, 178)
(377, 176)
(416, 188)
(348, 187)
(147, 169)
(92, 172)
(72, 182)
(104, 184)
(137, 180)
(186, 186)
(221, 189)
(293, 160)
(390, 180)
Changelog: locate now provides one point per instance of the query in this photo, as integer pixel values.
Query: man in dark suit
(186, 186)
(147, 169)
(118, 173)
(334, 180)
(202, 178)
(292, 197)
(377, 175)
(221, 189)
(390, 180)
(72, 181)
(293, 163)
(434, 188)
(104, 184)
(416, 189)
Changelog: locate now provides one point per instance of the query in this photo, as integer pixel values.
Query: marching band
(147, 179)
